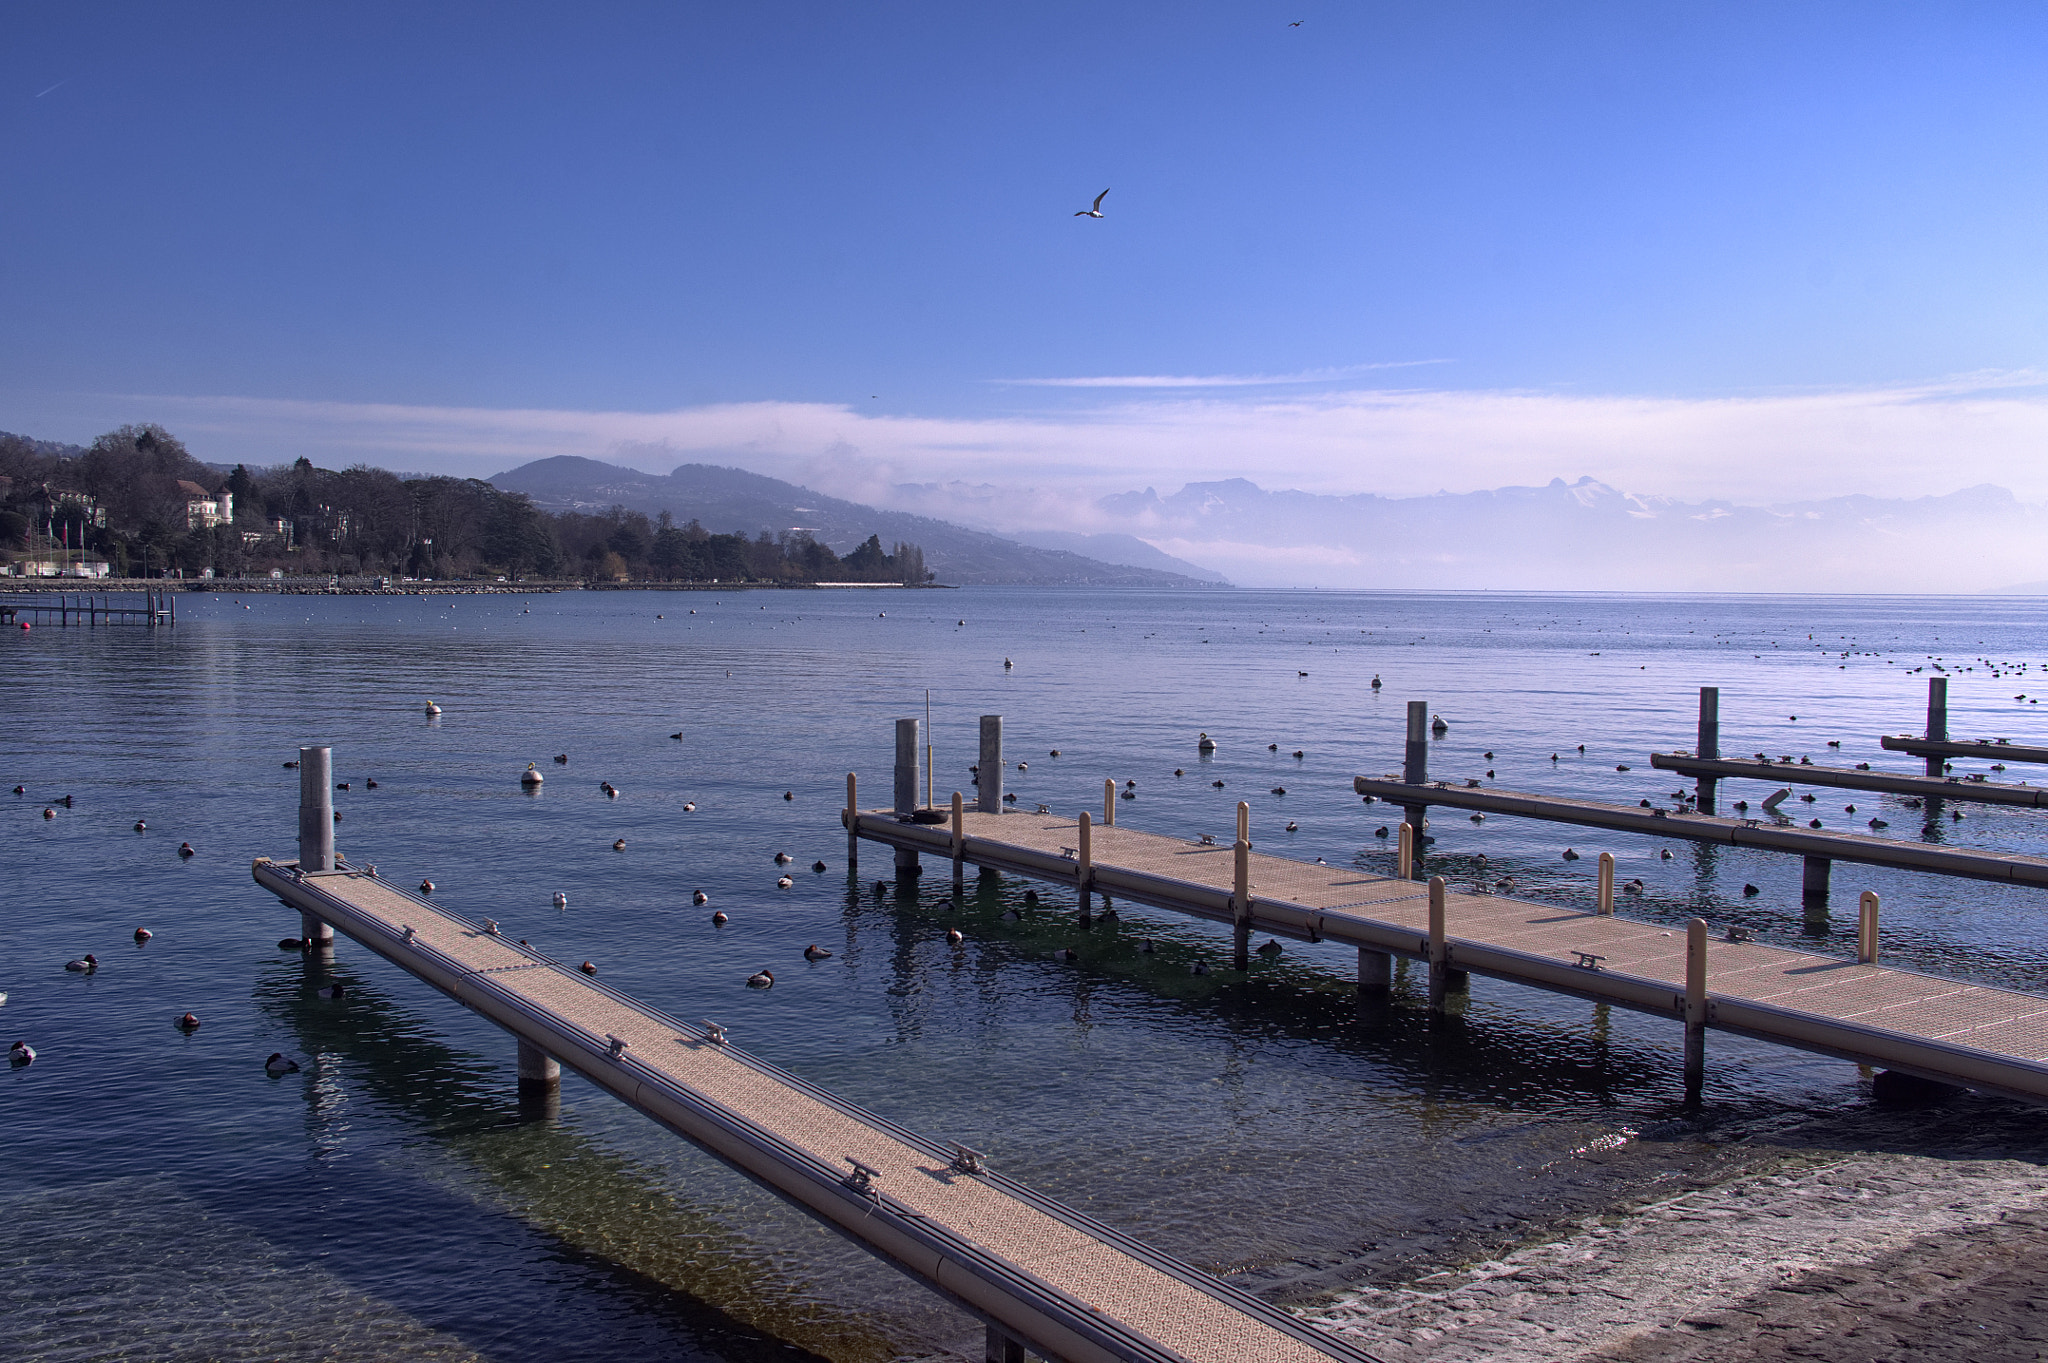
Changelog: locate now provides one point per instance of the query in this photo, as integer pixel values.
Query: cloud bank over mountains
(1926, 487)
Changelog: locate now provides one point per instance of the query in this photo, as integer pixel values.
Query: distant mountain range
(1587, 536)
(727, 500)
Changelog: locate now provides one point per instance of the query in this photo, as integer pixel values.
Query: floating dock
(1992, 1040)
(1787, 773)
(1040, 1275)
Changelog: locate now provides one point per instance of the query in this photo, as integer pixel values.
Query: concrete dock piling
(909, 758)
(999, 1347)
(990, 772)
(959, 841)
(1606, 893)
(1415, 772)
(539, 1072)
(1866, 928)
(1375, 973)
(316, 831)
(852, 810)
(1108, 803)
(1815, 873)
(1084, 865)
(1937, 720)
(1408, 869)
(1709, 742)
(1439, 946)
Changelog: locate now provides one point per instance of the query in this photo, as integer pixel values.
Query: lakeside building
(204, 510)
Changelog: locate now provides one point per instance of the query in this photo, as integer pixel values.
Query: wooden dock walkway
(1848, 778)
(1037, 1272)
(1989, 749)
(1993, 1040)
(1656, 821)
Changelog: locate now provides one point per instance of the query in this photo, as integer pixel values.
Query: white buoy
(433, 709)
(1205, 744)
(531, 776)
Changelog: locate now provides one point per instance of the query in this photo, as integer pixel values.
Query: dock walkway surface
(1066, 1286)
(1995, 749)
(1786, 772)
(1992, 1040)
(1658, 822)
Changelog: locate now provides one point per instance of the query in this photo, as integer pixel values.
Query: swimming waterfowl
(1012, 916)
(185, 849)
(1478, 818)
(341, 785)
(1065, 954)
(290, 944)
(1632, 887)
(1750, 891)
(1178, 772)
(1279, 790)
(953, 937)
(618, 844)
(1270, 947)
(1570, 855)
(433, 709)
(1299, 753)
(1031, 896)
(1380, 832)
(1146, 947)
(1272, 747)
(789, 795)
(1813, 823)
(1108, 915)
(1007, 664)
(337, 990)
(764, 979)
(141, 827)
(1664, 853)
(719, 920)
(588, 968)
(426, 887)
(611, 792)
(1199, 968)
(881, 887)
(1292, 826)
(783, 883)
(21, 1053)
(1375, 681)
(1023, 766)
(86, 964)
(783, 858)
(818, 866)
(143, 934)
(1010, 798)
(23, 790)
(1217, 784)
(689, 807)
(1054, 753)
(371, 783)
(814, 952)
(189, 1022)
(561, 900)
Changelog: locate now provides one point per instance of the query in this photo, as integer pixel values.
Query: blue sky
(336, 227)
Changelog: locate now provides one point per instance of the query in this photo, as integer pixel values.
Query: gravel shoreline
(1931, 1246)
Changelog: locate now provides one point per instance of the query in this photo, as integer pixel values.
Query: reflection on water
(393, 1199)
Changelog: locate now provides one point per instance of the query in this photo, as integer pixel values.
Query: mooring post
(852, 822)
(1605, 902)
(316, 831)
(1001, 1348)
(990, 797)
(1709, 742)
(959, 840)
(1439, 946)
(1241, 893)
(1937, 720)
(908, 755)
(1084, 866)
(1108, 803)
(1866, 928)
(1695, 1008)
(1408, 867)
(1415, 771)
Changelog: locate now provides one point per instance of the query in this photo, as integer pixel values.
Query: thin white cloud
(1214, 380)
(1910, 440)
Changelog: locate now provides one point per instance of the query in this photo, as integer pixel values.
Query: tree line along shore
(137, 504)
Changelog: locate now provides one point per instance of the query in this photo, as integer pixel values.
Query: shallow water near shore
(167, 1198)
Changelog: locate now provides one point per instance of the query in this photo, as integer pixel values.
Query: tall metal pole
(316, 831)
(1937, 720)
(990, 799)
(908, 760)
(1415, 771)
(1709, 742)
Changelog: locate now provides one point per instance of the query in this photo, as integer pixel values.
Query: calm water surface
(164, 1198)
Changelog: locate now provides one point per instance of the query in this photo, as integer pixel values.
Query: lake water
(165, 1198)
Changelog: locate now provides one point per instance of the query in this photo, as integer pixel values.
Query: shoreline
(1926, 1246)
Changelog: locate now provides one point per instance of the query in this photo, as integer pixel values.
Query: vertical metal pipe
(316, 831)
(1866, 928)
(1084, 863)
(908, 754)
(1695, 1008)
(1415, 763)
(990, 800)
(1937, 720)
(1407, 853)
(1108, 803)
(959, 839)
(1605, 903)
(1241, 891)
(1439, 945)
(852, 822)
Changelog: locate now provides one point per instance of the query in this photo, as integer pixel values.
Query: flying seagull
(1096, 211)
(1295, 24)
